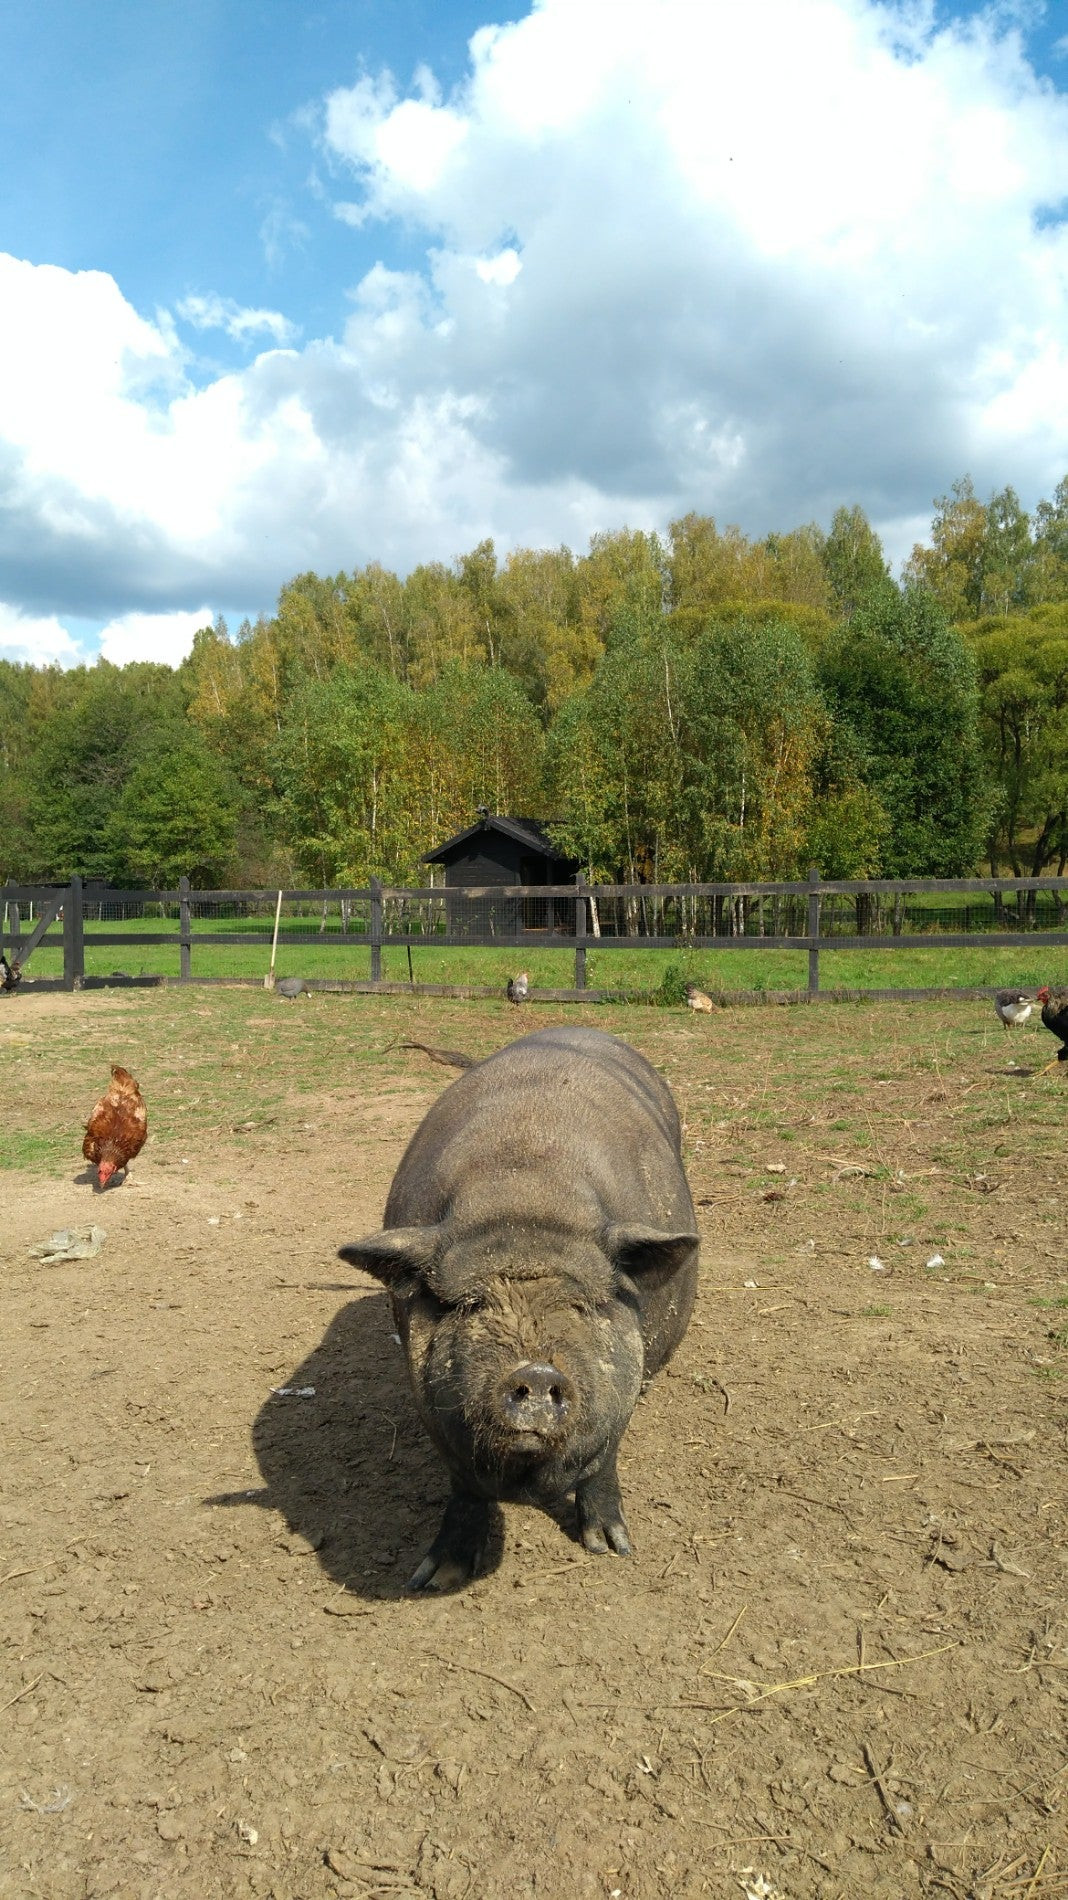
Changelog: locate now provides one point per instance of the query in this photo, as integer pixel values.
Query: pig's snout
(535, 1399)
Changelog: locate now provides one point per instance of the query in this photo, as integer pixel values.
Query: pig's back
(568, 1125)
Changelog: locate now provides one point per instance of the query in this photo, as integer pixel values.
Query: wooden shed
(505, 851)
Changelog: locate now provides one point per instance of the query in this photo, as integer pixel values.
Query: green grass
(20, 1149)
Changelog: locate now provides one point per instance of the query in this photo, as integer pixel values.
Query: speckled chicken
(1055, 1017)
(116, 1129)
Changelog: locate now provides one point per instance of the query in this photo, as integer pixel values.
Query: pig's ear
(646, 1252)
(395, 1254)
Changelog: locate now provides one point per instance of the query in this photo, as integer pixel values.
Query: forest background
(694, 707)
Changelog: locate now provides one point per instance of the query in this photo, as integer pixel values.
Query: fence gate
(50, 904)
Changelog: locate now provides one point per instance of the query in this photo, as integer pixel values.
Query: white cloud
(35, 640)
(406, 145)
(221, 313)
(167, 637)
(756, 261)
(502, 269)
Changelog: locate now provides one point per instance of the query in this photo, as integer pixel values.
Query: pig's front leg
(600, 1511)
(459, 1548)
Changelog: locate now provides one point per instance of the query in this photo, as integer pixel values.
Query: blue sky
(289, 286)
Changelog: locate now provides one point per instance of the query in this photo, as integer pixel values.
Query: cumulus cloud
(754, 261)
(166, 637)
(773, 257)
(33, 640)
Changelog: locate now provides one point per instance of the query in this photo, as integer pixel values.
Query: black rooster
(10, 974)
(1055, 1016)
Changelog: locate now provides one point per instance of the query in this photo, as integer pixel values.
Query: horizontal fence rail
(813, 916)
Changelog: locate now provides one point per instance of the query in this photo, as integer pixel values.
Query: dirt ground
(837, 1664)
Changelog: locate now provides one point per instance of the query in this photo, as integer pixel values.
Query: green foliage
(709, 569)
(751, 723)
(16, 747)
(904, 685)
(177, 812)
(371, 774)
(101, 727)
(339, 765)
(474, 739)
(990, 559)
(606, 770)
(671, 991)
(853, 561)
(1023, 672)
(690, 759)
(703, 706)
(814, 624)
(848, 832)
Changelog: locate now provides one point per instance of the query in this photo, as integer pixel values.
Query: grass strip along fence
(776, 940)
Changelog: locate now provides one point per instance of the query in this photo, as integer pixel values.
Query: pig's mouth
(533, 1469)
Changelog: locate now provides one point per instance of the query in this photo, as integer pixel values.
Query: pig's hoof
(441, 1573)
(458, 1549)
(602, 1525)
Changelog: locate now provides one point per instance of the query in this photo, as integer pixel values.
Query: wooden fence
(814, 916)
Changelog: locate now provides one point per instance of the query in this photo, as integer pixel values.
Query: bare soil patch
(838, 1664)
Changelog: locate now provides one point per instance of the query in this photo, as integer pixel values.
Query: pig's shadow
(350, 1467)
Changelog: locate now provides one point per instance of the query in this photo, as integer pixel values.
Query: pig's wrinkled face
(526, 1385)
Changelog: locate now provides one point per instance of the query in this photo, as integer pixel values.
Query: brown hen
(116, 1129)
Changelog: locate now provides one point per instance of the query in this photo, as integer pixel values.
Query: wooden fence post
(73, 937)
(185, 933)
(376, 930)
(580, 931)
(813, 930)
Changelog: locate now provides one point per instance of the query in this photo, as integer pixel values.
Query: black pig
(540, 1251)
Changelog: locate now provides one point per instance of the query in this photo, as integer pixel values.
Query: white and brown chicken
(1013, 1007)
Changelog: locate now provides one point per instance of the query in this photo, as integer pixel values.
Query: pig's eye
(418, 1290)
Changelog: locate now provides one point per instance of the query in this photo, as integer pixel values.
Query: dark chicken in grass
(1055, 1017)
(116, 1129)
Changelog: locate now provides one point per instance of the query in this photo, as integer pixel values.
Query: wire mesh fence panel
(418, 914)
(890, 913)
(505, 914)
(304, 916)
(689, 913)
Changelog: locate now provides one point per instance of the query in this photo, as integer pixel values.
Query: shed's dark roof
(527, 831)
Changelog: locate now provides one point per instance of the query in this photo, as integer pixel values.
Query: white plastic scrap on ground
(293, 1391)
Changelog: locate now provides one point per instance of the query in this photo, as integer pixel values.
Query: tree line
(700, 706)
